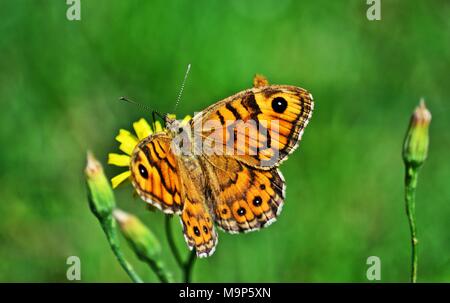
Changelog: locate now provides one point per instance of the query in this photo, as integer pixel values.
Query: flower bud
(415, 148)
(141, 239)
(100, 194)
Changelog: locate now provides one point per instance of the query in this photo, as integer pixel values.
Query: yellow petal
(127, 148)
(125, 136)
(158, 127)
(120, 178)
(142, 129)
(185, 120)
(171, 116)
(127, 140)
(118, 160)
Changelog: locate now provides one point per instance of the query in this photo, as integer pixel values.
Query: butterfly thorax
(188, 161)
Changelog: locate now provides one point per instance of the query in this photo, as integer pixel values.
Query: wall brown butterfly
(221, 167)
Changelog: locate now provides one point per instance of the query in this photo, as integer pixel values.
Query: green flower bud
(415, 147)
(143, 242)
(141, 239)
(100, 194)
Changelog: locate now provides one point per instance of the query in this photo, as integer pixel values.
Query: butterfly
(221, 168)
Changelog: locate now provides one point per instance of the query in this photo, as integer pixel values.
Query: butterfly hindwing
(196, 218)
(244, 198)
(198, 227)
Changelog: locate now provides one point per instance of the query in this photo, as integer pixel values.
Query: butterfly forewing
(155, 173)
(259, 126)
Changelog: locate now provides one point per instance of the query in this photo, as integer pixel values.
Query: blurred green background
(60, 82)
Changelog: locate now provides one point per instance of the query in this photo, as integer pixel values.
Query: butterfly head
(176, 127)
(171, 123)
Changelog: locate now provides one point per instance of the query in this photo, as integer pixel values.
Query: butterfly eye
(205, 229)
(279, 105)
(143, 171)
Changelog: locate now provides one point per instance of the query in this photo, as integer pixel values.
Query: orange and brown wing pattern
(196, 218)
(155, 174)
(244, 198)
(260, 126)
(198, 227)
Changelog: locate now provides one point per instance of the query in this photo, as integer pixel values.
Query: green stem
(410, 197)
(160, 271)
(109, 227)
(171, 241)
(187, 266)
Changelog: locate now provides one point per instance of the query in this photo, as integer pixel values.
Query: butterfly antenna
(143, 106)
(182, 87)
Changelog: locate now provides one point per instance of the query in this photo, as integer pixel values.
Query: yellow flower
(128, 142)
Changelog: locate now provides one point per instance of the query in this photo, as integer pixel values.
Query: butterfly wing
(244, 198)
(196, 218)
(260, 126)
(155, 173)
(198, 227)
